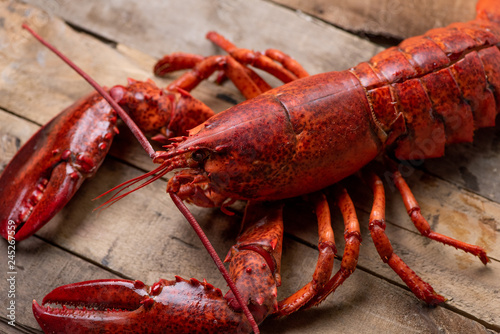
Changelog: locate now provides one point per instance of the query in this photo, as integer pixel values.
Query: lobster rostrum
(409, 101)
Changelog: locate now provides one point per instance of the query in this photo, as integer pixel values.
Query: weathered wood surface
(144, 237)
(387, 18)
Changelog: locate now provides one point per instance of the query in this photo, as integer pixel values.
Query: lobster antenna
(218, 262)
(149, 149)
(123, 115)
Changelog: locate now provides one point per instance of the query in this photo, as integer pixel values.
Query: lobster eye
(199, 155)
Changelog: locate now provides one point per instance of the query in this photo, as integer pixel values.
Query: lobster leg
(352, 237)
(288, 62)
(233, 66)
(288, 70)
(175, 62)
(324, 266)
(199, 70)
(249, 83)
(419, 287)
(423, 226)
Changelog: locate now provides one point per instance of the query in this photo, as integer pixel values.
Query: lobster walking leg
(233, 66)
(324, 266)
(289, 70)
(419, 287)
(247, 81)
(288, 62)
(352, 237)
(423, 226)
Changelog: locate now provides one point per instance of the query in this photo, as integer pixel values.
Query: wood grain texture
(391, 18)
(144, 237)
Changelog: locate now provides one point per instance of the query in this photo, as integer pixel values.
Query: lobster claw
(48, 170)
(122, 306)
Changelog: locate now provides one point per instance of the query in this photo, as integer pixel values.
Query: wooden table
(144, 237)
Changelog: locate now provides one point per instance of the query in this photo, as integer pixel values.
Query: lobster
(404, 130)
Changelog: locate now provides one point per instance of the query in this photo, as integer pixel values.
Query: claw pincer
(121, 306)
(48, 170)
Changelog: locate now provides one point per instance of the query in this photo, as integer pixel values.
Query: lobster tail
(437, 88)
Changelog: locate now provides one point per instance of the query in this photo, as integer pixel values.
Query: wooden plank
(18, 329)
(171, 26)
(385, 17)
(171, 247)
(472, 166)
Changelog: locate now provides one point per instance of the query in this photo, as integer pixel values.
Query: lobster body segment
(488, 10)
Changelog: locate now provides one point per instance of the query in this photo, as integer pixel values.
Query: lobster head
(240, 153)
